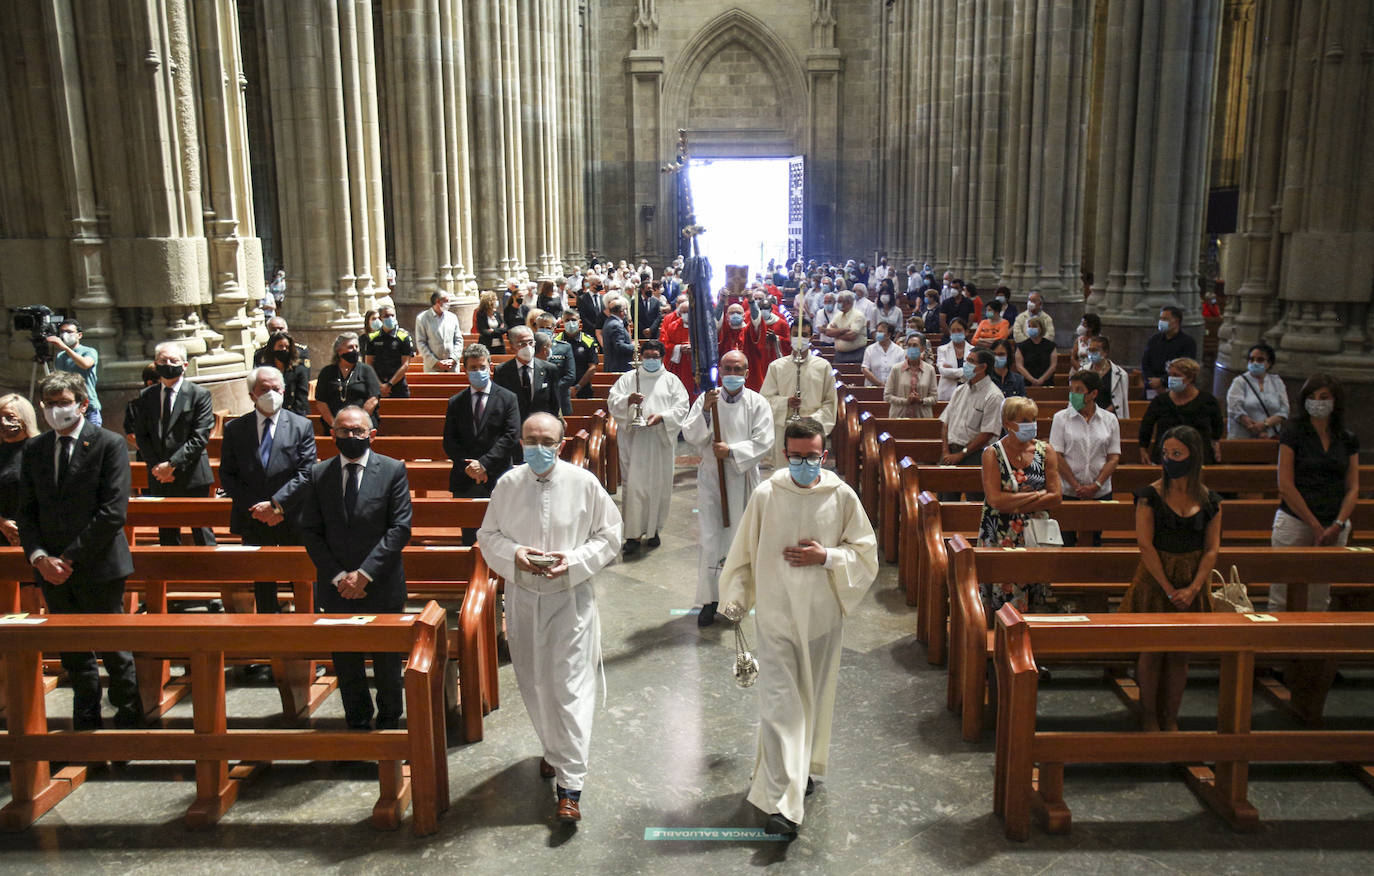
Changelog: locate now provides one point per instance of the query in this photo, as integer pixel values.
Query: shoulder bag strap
(1250, 386)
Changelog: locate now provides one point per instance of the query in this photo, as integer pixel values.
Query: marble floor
(673, 747)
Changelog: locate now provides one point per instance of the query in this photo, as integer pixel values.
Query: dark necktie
(525, 383)
(64, 459)
(351, 489)
(166, 409)
(479, 409)
(265, 446)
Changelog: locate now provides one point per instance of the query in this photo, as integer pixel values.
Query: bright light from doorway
(743, 205)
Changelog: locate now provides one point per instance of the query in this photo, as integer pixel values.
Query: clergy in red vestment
(739, 332)
(677, 341)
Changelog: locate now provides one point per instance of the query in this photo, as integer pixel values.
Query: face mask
(879, 337)
(352, 448)
(281, 355)
(62, 418)
(1032, 307)
(1077, 401)
(70, 339)
(540, 459)
(732, 382)
(652, 365)
(570, 328)
(803, 473)
(956, 337)
(1032, 332)
(913, 353)
(269, 402)
(801, 346)
(885, 300)
(1025, 431)
(969, 369)
(351, 357)
(389, 323)
(1321, 408)
(830, 308)
(736, 320)
(1093, 358)
(1080, 331)
(1163, 325)
(170, 372)
(525, 354)
(376, 325)
(1175, 383)
(988, 314)
(479, 378)
(931, 305)
(999, 361)
(1257, 368)
(1177, 468)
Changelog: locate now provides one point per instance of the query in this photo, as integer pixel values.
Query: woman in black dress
(346, 381)
(294, 373)
(17, 425)
(1036, 356)
(491, 328)
(1183, 405)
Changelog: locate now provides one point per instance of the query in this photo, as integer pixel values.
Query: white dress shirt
(1084, 445)
(881, 362)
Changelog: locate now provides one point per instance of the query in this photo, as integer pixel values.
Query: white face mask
(62, 418)
(801, 346)
(269, 402)
(70, 339)
(524, 354)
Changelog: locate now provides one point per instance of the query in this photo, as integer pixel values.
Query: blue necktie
(351, 489)
(265, 447)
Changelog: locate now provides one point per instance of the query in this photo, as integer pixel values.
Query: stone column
(824, 69)
(488, 165)
(645, 67)
(571, 123)
(516, 257)
(324, 113)
(1152, 166)
(1048, 122)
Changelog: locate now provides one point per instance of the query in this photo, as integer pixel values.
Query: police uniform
(387, 349)
(264, 356)
(585, 351)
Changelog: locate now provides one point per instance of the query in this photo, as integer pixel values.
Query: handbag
(1038, 531)
(1232, 594)
(746, 664)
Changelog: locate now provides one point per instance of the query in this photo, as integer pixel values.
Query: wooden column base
(1203, 782)
(19, 814)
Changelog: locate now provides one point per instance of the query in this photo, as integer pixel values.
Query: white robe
(552, 623)
(747, 426)
(800, 612)
(818, 398)
(647, 452)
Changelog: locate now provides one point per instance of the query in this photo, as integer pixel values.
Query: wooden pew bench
(31, 746)
(1020, 642)
(1103, 571)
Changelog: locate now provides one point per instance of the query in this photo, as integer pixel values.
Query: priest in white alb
(647, 452)
(549, 528)
(803, 557)
(746, 438)
(817, 398)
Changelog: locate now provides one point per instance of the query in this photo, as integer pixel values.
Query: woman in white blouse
(949, 359)
(910, 390)
(1257, 402)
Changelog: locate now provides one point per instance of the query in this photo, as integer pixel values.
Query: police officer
(560, 357)
(389, 351)
(585, 351)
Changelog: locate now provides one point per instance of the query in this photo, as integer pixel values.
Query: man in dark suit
(174, 424)
(648, 313)
(74, 498)
(481, 432)
(590, 304)
(615, 339)
(355, 519)
(264, 464)
(533, 381)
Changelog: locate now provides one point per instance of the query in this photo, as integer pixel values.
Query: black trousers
(400, 390)
(265, 592)
(170, 536)
(78, 596)
(971, 458)
(351, 666)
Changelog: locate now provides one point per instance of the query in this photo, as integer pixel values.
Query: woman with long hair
(491, 327)
(294, 373)
(17, 425)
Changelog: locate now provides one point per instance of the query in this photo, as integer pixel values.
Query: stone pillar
(324, 114)
(516, 258)
(1048, 123)
(824, 69)
(571, 124)
(1300, 269)
(645, 68)
(1152, 167)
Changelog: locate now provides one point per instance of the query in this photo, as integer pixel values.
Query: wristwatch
(1339, 524)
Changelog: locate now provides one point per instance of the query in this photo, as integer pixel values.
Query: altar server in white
(746, 439)
(804, 556)
(817, 398)
(549, 528)
(647, 452)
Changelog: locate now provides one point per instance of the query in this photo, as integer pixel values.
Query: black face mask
(170, 372)
(351, 357)
(1177, 468)
(282, 355)
(352, 448)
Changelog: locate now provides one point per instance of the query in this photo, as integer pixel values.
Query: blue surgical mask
(1175, 383)
(1032, 331)
(1257, 368)
(879, 337)
(956, 337)
(989, 314)
(732, 382)
(736, 320)
(999, 361)
(913, 353)
(376, 325)
(969, 369)
(652, 365)
(803, 473)
(1026, 431)
(1163, 325)
(479, 378)
(540, 458)
(570, 328)
(1093, 358)
(389, 323)
(830, 307)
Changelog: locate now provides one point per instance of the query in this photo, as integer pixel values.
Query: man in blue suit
(355, 519)
(616, 338)
(264, 464)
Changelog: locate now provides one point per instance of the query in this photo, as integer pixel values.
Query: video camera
(41, 323)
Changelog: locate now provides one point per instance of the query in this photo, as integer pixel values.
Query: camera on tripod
(41, 323)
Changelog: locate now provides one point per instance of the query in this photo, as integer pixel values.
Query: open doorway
(751, 209)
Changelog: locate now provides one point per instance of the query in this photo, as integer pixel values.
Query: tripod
(33, 374)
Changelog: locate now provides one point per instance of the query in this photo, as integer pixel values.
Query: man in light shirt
(438, 337)
(1035, 307)
(1088, 440)
(973, 417)
(848, 329)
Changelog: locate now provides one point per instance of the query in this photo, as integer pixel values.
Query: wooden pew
(896, 428)
(1020, 789)
(31, 747)
(1102, 570)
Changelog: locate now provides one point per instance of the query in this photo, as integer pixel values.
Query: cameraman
(77, 358)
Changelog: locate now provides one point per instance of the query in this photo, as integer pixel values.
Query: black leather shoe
(708, 615)
(388, 723)
(631, 547)
(128, 720)
(810, 787)
(654, 542)
(778, 825)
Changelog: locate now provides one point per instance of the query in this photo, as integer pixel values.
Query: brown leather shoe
(545, 770)
(568, 811)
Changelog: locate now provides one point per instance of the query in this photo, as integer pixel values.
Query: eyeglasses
(809, 460)
(549, 444)
(354, 433)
